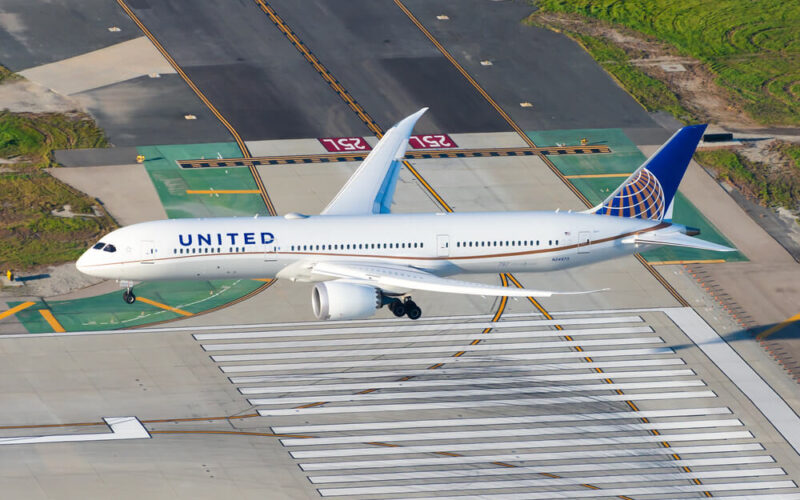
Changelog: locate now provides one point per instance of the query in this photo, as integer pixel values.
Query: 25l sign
(431, 141)
(341, 144)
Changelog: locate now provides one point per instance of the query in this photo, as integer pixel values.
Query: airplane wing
(404, 278)
(371, 188)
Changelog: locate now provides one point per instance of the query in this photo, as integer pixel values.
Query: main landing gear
(128, 296)
(405, 307)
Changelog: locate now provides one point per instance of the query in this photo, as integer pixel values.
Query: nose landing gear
(405, 307)
(128, 296)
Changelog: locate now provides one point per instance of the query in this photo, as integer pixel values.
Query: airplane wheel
(128, 296)
(413, 312)
(398, 308)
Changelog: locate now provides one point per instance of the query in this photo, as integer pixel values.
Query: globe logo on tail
(640, 197)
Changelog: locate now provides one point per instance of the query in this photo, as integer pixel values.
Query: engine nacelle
(342, 300)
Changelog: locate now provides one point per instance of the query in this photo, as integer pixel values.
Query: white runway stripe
(411, 327)
(495, 403)
(651, 490)
(549, 482)
(527, 419)
(580, 455)
(381, 396)
(515, 346)
(498, 358)
(484, 370)
(488, 433)
(553, 469)
(768, 496)
(281, 389)
(303, 344)
(544, 443)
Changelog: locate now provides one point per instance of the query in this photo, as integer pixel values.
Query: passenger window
(549, 242)
(556, 242)
(537, 243)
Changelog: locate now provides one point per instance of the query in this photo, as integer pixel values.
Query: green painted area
(626, 157)
(172, 182)
(109, 311)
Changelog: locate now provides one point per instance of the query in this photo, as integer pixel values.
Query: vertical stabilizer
(648, 192)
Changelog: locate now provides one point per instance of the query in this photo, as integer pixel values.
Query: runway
(595, 416)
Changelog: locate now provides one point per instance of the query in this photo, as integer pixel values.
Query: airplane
(362, 257)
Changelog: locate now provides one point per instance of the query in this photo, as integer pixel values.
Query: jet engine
(343, 300)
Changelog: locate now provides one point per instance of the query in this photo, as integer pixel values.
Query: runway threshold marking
(164, 306)
(15, 309)
(424, 154)
(47, 314)
(238, 138)
(780, 326)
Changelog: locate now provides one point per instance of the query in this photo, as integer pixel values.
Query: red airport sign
(344, 144)
(431, 141)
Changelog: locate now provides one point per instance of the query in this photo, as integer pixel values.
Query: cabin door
(148, 251)
(443, 245)
(271, 251)
(584, 241)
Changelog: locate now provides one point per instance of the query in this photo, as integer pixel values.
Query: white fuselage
(444, 244)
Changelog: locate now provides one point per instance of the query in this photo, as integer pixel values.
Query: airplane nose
(80, 264)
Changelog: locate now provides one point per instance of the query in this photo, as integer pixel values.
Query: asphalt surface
(36, 33)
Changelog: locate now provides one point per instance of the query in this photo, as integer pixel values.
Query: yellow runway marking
(779, 326)
(595, 176)
(699, 261)
(15, 309)
(223, 191)
(51, 320)
(164, 306)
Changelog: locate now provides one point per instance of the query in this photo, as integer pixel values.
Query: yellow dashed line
(51, 320)
(16, 309)
(164, 306)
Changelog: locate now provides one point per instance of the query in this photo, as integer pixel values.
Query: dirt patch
(22, 95)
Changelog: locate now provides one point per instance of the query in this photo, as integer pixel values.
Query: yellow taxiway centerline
(223, 191)
(780, 326)
(51, 320)
(15, 309)
(164, 306)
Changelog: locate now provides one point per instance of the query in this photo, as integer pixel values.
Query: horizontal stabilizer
(677, 239)
(403, 278)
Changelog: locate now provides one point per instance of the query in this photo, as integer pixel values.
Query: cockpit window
(98, 246)
(110, 248)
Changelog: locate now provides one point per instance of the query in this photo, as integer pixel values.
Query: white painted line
(485, 404)
(768, 496)
(381, 396)
(548, 482)
(413, 327)
(543, 443)
(515, 346)
(497, 358)
(530, 457)
(121, 428)
(304, 344)
(527, 419)
(464, 382)
(476, 370)
(782, 417)
(527, 431)
(553, 469)
(649, 490)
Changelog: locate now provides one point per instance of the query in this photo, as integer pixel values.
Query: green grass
(30, 236)
(7, 75)
(771, 187)
(31, 138)
(752, 47)
(650, 92)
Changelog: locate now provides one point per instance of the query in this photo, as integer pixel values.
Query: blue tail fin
(648, 192)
